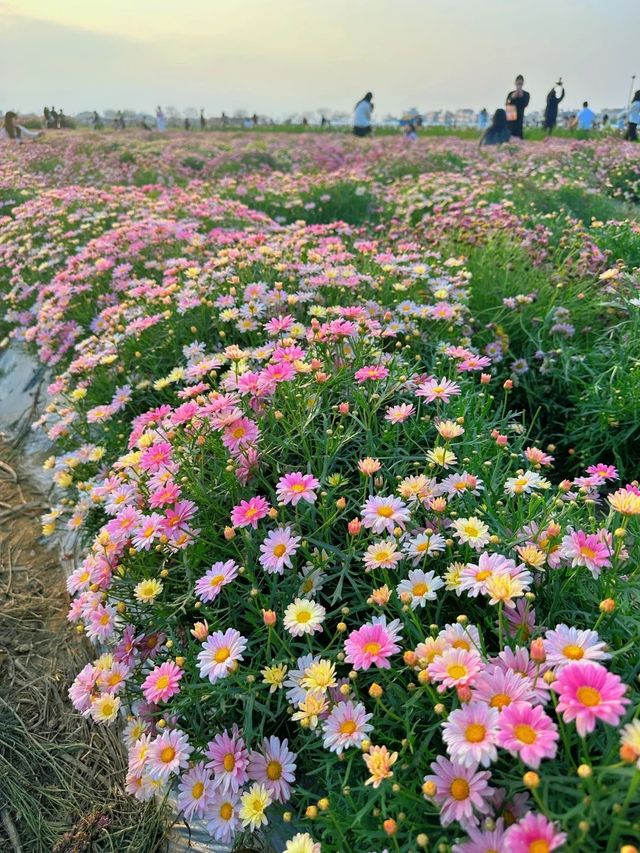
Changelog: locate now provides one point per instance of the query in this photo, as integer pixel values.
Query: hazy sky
(280, 57)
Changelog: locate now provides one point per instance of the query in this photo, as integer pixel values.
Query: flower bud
(390, 826)
(608, 605)
(311, 812)
(531, 779)
(343, 408)
(464, 692)
(537, 651)
(269, 618)
(229, 533)
(341, 503)
(429, 789)
(354, 527)
(584, 771)
(375, 691)
(507, 384)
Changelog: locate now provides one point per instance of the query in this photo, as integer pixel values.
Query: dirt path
(60, 777)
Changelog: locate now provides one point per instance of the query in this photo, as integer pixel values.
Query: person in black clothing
(498, 131)
(203, 121)
(551, 110)
(517, 102)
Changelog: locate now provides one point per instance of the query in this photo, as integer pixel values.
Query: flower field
(349, 433)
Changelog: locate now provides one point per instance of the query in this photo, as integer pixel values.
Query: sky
(284, 57)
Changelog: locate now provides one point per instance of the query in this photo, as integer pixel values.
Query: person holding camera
(551, 109)
(516, 104)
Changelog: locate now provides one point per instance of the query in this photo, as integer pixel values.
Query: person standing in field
(498, 132)
(586, 117)
(634, 118)
(161, 122)
(516, 103)
(362, 116)
(483, 119)
(203, 121)
(551, 109)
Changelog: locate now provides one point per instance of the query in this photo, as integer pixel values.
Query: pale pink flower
(347, 725)
(193, 791)
(483, 840)
(382, 555)
(586, 549)
(220, 654)
(274, 767)
(397, 414)
(229, 759)
(434, 389)
(565, 644)
(499, 688)
(220, 574)
(371, 371)
(168, 754)
(380, 514)
(277, 550)
(421, 586)
(455, 668)
(222, 815)
(470, 734)
(461, 792)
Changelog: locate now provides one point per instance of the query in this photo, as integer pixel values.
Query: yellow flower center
(222, 655)
(226, 811)
(587, 552)
(279, 550)
(589, 696)
(229, 762)
(274, 770)
(539, 846)
(459, 789)
(372, 648)
(525, 733)
(163, 682)
(298, 487)
(251, 512)
(471, 530)
(382, 555)
(303, 615)
(483, 575)
(385, 511)
(167, 754)
(573, 652)
(197, 790)
(461, 644)
(347, 727)
(420, 589)
(456, 670)
(216, 580)
(307, 586)
(500, 700)
(238, 432)
(475, 733)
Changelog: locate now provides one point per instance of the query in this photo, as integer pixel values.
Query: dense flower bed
(347, 565)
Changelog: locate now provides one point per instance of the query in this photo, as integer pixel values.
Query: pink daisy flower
(565, 644)
(296, 487)
(518, 661)
(588, 693)
(220, 574)
(384, 514)
(483, 840)
(604, 472)
(500, 688)
(222, 815)
(248, 513)
(398, 414)
(382, 555)
(534, 832)
(229, 759)
(150, 528)
(274, 767)
(241, 432)
(474, 576)
(220, 654)
(168, 754)
(371, 371)
(162, 683)
(526, 731)
(455, 668)
(470, 734)
(586, 549)
(434, 389)
(460, 791)
(193, 791)
(347, 725)
(373, 644)
(277, 550)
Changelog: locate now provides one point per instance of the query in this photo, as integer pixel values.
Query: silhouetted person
(324, 121)
(305, 121)
(96, 121)
(483, 119)
(498, 132)
(54, 118)
(225, 119)
(551, 109)
(161, 121)
(254, 119)
(605, 121)
(47, 117)
(586, 117)
(362, 116)
(11, 130)
(517, 102)
(187, 124)
(634, 118)
(203, 121)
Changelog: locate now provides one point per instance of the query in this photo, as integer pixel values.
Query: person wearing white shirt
(586, 117)
(12, 131)
(634, 118)
(362, 116)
